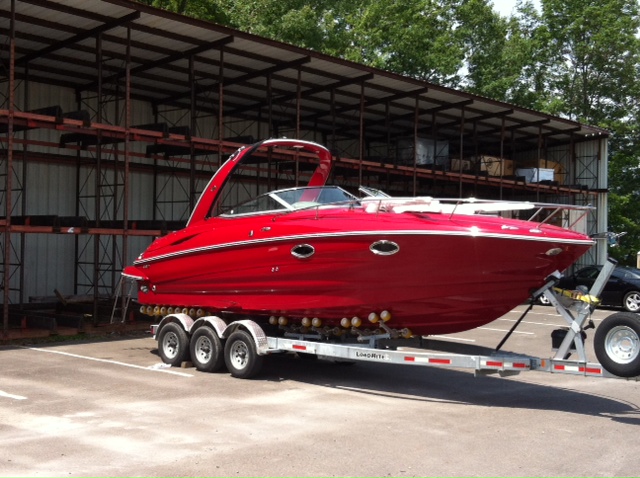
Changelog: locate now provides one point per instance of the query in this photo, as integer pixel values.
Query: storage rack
(230, 89)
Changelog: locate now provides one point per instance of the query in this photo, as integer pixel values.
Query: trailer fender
(259, 337)
(216, 323)
(183, 319)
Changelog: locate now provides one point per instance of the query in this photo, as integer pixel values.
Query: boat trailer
(210, 342)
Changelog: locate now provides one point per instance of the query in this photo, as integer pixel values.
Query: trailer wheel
(173, 344)
(241, 356)
(617, 344)
(206, 350)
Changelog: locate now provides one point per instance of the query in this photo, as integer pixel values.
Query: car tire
(631, 301)
(542, 300)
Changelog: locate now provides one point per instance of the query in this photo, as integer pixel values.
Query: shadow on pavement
(432, 384)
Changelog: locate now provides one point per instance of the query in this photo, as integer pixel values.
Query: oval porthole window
(302, 251)
(554, 251)
(384, 248)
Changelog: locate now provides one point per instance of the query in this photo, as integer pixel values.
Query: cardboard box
(458, 165)
(535, 175)
(559, 171)
(495, 166)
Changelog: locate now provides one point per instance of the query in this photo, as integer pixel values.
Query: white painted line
(502, 330)
(11, 395)
(534, 323)
(548, 314)
(448, 337)
(113, 362)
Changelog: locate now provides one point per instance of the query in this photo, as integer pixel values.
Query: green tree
(417, 38)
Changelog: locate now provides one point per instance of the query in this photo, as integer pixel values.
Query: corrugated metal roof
(57, 40)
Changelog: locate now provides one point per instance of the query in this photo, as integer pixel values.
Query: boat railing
(540, 213)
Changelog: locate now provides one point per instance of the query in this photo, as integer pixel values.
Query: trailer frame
(246, 342)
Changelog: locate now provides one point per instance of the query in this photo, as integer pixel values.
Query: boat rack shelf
(169, 141)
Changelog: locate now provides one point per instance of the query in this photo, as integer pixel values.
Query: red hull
(450, 272)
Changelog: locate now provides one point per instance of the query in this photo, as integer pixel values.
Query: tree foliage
(578, 59)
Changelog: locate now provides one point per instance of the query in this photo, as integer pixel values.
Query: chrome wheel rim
(622, 344)
(239, 354)
(633, 302)
(203, 348)
(170, 345)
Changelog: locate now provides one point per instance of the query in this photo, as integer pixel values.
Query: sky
(505, 7)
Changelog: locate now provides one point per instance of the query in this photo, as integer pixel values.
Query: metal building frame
(210, 90)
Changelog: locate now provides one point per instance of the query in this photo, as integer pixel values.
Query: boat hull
(446, 276)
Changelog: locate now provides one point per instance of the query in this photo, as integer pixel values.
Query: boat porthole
(384, 248)
(554, 251)
(302, 251)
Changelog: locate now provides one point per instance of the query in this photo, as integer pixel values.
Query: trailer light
(282, 321)
(346, 323)
(373, 317)
(356, 322)
(273, 320)
(385, 315)
(316, 322)
(306, 321)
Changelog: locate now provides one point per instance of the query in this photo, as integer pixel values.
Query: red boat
(321, 257)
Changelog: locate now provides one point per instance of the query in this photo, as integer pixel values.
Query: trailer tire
(617, 344)
(241, 356)
(173, 344)
(207, 353)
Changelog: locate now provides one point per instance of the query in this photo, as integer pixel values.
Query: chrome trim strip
(306, 237)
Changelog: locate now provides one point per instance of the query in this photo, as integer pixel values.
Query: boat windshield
(291, 200)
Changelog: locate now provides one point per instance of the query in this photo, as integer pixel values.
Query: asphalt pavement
(110, 408)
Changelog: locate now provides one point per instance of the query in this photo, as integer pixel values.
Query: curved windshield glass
(291, 200)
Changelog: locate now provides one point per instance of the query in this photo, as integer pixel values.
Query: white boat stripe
(356, 233)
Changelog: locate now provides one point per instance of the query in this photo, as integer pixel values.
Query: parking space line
(449, 337)
(113, 362)
(11, 395)
(502, 330)
(532, 323)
